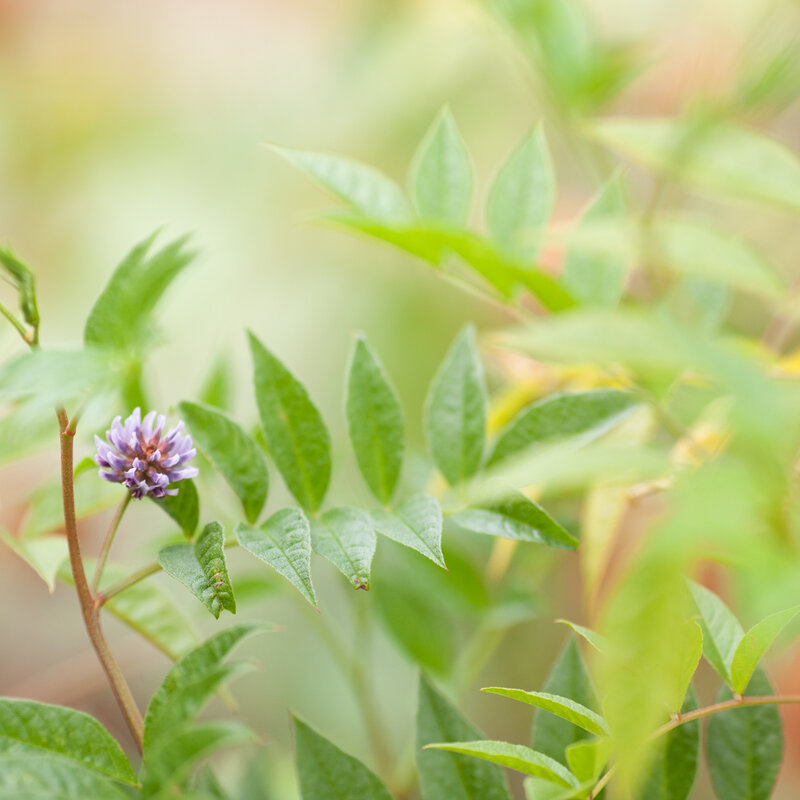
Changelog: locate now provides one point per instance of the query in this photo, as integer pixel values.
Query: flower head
(139, 457)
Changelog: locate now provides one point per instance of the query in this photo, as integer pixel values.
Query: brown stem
(90, 611)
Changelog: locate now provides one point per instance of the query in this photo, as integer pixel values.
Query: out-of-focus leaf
(171, 759)
(415, 523)
(362, 187)
(455, 411)
(699, 303)
(718, 157)
(120, 318)
(674, 765)
(283, 542)
(208, 784)
(587, 757)
(754, 644)
(191, 683)
(216, 391)
(563, 707)
(440, 176)
(25, 429)
(296, 435)
(345, 537)
(328, 773)
(44, 554)
(515, 516)
(375, 421)
(595, 639)
(552, 734)
(446, 775)
(240, 460)
(146, 609)
(770, 84)
(514, 756)
(721, 630)
(23, 281)
(57, 377)
(597, 278)
(55, 729)
(522, 196)
(744, 746)
(30, 775)
(201, 568)
(585, 414)
(183, 507)
(690, 644)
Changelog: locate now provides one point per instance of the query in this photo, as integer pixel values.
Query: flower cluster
(139, 457)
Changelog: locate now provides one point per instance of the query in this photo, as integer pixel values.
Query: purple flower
(139, 457)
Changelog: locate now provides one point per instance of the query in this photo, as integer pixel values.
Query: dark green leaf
(674, 766)
(363, 187)
(415, 523)
(522, 197)
(120, 318)
(586, 414)
(283, 542)
(328, 773)
(455, 411)
(295, 433)
(569, 678)
(345, 537)
(440, 176)
(375, 421)
(744, 746)
(201, 568)
(515, 516)
(451, 776)
(64, 731)
(183, 507)
(235, 454)
(191, 682)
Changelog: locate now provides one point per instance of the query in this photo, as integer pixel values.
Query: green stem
(107, 542)
(89, 608)
(699, 713)
(17, 324)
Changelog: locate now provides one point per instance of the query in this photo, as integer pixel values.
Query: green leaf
(558, 416)
(359, 185)
(522, 196)
(216, 391)
(542, 789)
(26, 428)
(587, 757)
(345, 537)
(295, 433)
(375, 421)
(328, 773)
(721, 158)
(146, 609)
(597, 278)
(27, 775)
(120, 318)
(44, 554)
(415, 523)
(201, 568)
(576, 713)
(23, 281)
(690, 645)
(515, 756)
(595, 640)
(721, 630)
(208, 784)
(191, 682)
(183, 507)
(446, 775)
(455, 411)
(744, 746)
(515, 516)
(64, 731)
(754, 644)
(674, 766)
(235, 454)
(440, 176)
(170, 761)
(283, 542)
(552, 734)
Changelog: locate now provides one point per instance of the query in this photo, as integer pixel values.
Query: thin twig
(107, 542)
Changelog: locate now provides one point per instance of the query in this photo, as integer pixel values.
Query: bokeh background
(120, 118)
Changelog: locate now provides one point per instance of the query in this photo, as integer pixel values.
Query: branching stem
(107, 542)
